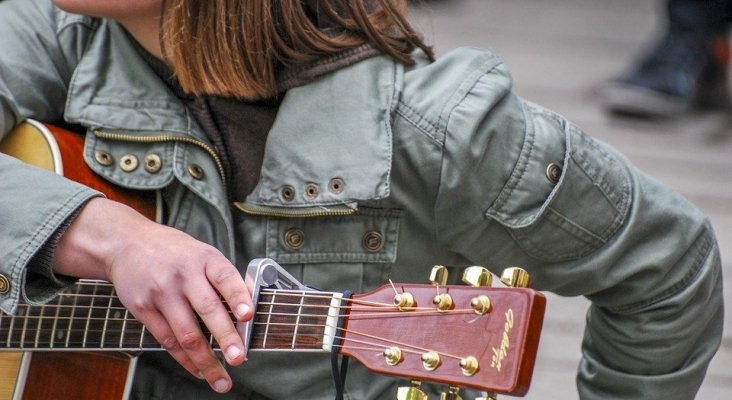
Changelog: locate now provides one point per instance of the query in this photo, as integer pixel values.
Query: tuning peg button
(430, 360)
(477, 276)
(481, 304)
(488, 396)
(469, 365)
(443, 302)
(393, 355)
(438, 276)
(411, 392)
(516, 277)
(451, 394)
(404, 301)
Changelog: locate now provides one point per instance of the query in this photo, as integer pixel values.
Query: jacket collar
(114, 88)
(338, 126)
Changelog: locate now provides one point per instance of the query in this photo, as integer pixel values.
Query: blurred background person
(686, 70)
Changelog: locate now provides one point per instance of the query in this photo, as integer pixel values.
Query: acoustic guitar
(81, 344)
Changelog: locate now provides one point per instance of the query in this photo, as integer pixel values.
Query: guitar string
(373, 345)
(353, 332)
(299, 294)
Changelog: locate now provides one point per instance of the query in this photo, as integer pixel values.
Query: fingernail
(242, 309)
(221, 385)
(233, 352)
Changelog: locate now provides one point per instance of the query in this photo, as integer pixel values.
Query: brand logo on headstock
(499, 353)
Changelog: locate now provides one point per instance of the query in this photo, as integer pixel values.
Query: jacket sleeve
(39, 49)
(522, 186)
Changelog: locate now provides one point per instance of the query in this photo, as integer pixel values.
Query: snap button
(4, 284)
(336, 185)
(103, 158)
(128, 163)
(153, 163)
(288, 193)
(294, 239)
(373, 241)
(195, 171)
(553, 172)
(311, 191)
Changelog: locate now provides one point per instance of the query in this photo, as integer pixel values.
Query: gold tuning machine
(412, 392)
(477, 276)
(404, 301)
(515, 277)
(438, 276)
(451, 394)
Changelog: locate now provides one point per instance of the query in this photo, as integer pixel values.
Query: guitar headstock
(484, 338)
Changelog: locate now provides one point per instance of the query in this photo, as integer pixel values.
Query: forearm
(95, 237)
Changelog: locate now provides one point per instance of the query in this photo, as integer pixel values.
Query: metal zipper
(167, 138)
(339, 210)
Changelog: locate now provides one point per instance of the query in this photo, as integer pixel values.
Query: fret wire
(142, 335)
(266, 329)
(25, 325)
(88, 315)
(10, 331)
(55, 322)
(297, 321)
(71, 319)
(122, 332)
(106, 317)
(40, 321)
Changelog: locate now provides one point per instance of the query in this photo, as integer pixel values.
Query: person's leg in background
(685, 70)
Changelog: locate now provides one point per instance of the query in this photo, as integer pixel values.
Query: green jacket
(440, 159)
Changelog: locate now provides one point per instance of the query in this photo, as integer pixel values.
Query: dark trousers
(709, 16)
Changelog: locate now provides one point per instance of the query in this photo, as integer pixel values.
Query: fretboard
(89, 316)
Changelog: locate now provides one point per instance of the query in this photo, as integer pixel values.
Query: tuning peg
(412, 392)
(451, 394)
(404, 301)
(488, 396)
(515, 277)
(477, 276)
(438, 276)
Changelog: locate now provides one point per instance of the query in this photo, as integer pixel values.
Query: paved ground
(560, 51)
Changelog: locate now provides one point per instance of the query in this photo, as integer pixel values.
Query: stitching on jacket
(407, 112)
(521, 164)
(453, 100)
(541, 253)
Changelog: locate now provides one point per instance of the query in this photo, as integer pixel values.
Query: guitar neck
(89, 317)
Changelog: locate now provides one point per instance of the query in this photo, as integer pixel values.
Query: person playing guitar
(325, 135)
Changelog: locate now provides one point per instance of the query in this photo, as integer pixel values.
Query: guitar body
(66, 375)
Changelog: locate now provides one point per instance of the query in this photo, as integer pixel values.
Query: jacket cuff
(41, 283)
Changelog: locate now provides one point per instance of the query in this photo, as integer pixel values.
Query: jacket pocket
(353, 252)
(587, 204)
(370, 236)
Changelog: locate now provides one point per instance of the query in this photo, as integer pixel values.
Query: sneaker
(684, 71)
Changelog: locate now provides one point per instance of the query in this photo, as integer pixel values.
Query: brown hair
(237, 47)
